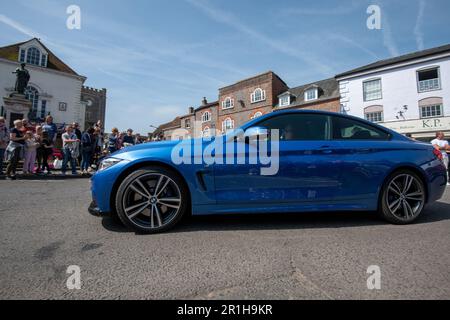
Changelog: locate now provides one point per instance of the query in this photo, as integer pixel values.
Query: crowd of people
(36, 146)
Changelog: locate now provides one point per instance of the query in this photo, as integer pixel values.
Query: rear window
(349, 129)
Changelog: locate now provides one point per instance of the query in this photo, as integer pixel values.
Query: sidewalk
(56, 175)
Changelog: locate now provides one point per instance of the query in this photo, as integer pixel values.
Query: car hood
(158, 145)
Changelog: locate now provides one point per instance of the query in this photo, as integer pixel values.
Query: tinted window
(349, 129)
(299, 126)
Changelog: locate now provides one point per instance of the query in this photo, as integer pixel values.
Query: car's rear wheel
(151, 200)
(403, 197)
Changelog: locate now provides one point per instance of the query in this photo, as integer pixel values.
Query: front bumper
(95, 210)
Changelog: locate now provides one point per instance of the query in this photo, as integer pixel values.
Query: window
(374, 116)
(349, 129)
(32, 94)
(431, 107)
(33, 56)
(428, 80)
(284, 100)
(258, 95)
(206, 116)
(257, 115)
(311, 94)
(22, 55)
(43, 108)
(187, 123)
(227, 124)
(206, 132)
(374, 113)
(431, 111)
(299, 126)
(227, 103)
(372, 90)
(44, 60)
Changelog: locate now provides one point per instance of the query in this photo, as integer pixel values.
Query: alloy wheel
(405, 197)
(151, 201)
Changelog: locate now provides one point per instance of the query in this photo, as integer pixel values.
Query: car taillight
(438, 154)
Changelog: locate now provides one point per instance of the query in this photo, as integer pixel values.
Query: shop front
(421, 129)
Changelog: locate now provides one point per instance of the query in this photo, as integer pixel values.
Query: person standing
(4, 139)
(137, 139)
(113, 140)
(442, 145)
(70, 148)
(87, 147)
(78, 133)
(51, 128)
(128, 139)
(40, 149)
(30, 153)
(47, 151)
(14, 150)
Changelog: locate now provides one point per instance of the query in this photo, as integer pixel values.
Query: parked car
(327, 162)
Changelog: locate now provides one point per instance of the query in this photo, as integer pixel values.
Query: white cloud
(19, 27)
(418, 28)
(388, 38)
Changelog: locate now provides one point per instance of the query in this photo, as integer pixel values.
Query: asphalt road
(45, 227)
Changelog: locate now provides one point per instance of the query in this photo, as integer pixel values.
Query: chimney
(191, 110)
(204, 101)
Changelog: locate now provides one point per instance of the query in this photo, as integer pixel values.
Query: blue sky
(158, 57)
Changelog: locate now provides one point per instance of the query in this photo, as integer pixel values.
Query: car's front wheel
(151, 200)
(403, 197)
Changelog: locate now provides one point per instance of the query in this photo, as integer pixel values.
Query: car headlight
(107, 163)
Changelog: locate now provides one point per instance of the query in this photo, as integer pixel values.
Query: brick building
(247, 99)
(320, 95)
(206, 116)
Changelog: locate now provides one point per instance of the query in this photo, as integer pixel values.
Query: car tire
(151, 200)
(403, 197)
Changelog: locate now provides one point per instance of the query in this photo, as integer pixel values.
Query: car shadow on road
(438, 211)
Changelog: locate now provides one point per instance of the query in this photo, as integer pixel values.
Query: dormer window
(311, 94)
(284, 100)
(258, 95)
(33, 56)
(228, 103)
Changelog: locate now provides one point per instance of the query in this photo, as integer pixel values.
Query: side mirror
(255, 133)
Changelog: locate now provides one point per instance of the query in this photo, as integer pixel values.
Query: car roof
(328, 113)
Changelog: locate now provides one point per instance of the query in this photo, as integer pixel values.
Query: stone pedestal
(17, 106)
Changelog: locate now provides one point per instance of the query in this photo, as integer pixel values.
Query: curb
(48, 177)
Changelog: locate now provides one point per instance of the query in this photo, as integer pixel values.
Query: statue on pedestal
(22, 79)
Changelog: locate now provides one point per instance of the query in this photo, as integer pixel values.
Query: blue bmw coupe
(316, 161)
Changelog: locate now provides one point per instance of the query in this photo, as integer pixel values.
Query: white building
(54, 88)
(409, 94)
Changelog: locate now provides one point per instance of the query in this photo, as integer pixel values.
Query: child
(30, 153)
(47, 145)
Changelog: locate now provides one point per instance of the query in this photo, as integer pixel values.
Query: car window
(349, 129)
(299, 126)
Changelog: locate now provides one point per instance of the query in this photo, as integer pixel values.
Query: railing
(427, 85)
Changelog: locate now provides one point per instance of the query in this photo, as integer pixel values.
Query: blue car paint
(329, 175)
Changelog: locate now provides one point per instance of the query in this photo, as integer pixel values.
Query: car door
(363, 157)
(306, 170)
